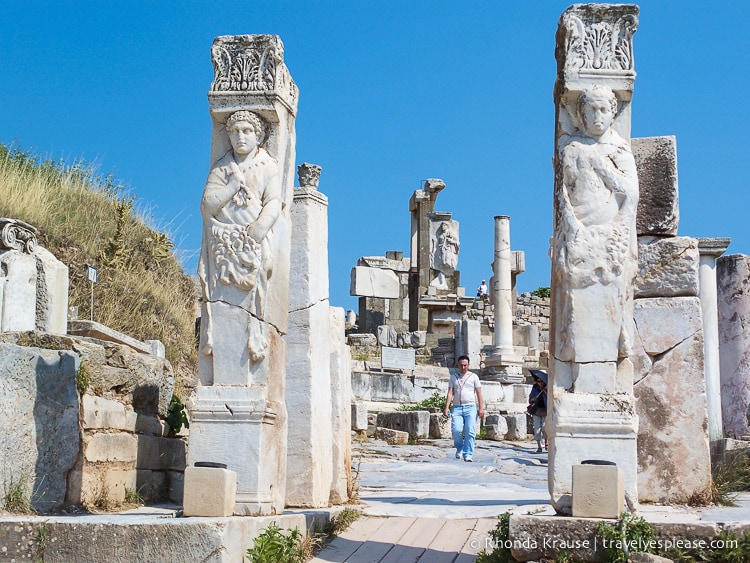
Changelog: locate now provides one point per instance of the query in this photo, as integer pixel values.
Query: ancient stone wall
(91, 447)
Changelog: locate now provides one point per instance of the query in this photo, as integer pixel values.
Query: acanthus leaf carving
(600, 46)
(246, 63)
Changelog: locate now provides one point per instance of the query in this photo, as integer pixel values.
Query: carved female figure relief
(240, 206)
(595, 241)
(445, 248)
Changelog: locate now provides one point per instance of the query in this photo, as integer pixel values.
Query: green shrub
(434, 401)
(176, 416)
(274, 546)
(541, 292)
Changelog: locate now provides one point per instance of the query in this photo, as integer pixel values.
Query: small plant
(342, 521)
(133, 496)
(100, 500)
(40, 539)
(434, 401)
(176, 416)
(499, 538)
(83, 379)
(628, 530)
(17, 494)
(361, 357)
(730, 476)
(274, 546)
(352, 482)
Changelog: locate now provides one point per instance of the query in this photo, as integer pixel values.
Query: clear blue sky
(391, 93)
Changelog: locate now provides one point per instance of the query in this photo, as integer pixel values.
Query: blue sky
(391, 93)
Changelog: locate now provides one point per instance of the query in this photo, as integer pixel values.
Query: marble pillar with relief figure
(594, 249)
(239, 417)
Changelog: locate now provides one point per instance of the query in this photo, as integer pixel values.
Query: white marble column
(710, 249)
(503, 364)
(308, 364)
(733, 278)
(502, 289)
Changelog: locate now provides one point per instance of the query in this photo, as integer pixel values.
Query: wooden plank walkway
(406, 540)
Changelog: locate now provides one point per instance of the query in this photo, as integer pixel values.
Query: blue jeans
(464, 420)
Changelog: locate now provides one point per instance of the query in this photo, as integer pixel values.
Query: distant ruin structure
(240, 415)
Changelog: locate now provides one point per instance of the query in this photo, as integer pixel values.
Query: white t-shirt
(463, 388)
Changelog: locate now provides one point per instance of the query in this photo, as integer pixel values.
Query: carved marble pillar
(308, 366)
(733, 276)
(503, 364)
(710, 249)
(594, 251)
(240, 416)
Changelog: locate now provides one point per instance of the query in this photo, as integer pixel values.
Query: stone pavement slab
(427, 481)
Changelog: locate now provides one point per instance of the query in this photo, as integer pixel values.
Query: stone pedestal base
(238, 427)
(209, 491)
(505, 368)
(590, 426)
(598, 491)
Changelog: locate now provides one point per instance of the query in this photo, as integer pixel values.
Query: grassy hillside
(84, 219)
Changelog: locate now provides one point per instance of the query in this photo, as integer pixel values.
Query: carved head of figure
(596, 109)
(246, 131)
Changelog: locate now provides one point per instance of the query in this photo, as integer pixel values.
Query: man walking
(465, 391)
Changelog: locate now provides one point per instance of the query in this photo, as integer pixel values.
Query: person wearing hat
(538, 407)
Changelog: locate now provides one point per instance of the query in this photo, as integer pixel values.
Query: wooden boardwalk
(399, 539)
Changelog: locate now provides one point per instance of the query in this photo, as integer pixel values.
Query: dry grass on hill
(84, 219)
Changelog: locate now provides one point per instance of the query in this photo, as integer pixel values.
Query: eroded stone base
(237, 427)
(590, 426)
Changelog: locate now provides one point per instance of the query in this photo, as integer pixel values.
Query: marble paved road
(422, 504)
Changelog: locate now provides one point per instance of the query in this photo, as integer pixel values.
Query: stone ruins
(643, 334)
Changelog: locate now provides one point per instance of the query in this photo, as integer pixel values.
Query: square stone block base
(231, 425)
(598, 491)
(209, 491)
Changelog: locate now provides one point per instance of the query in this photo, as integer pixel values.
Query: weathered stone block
(39, 432)
(52, 293)
(392, 437)
(160, 454)
(440, 426)
(341, 396)
(111, 447)
(99, 412)
(374, 282)
(209, 491)
(387, 336)
(658, 206)
(673, 450)
(176, 486)
(516, 427)
(598, 491)
(496, 427)
(17, 291)
(662, 323)
(152, 485)
(537, 537)
(667, 267)
(359, 417)
(145, 424)
(414, 423)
